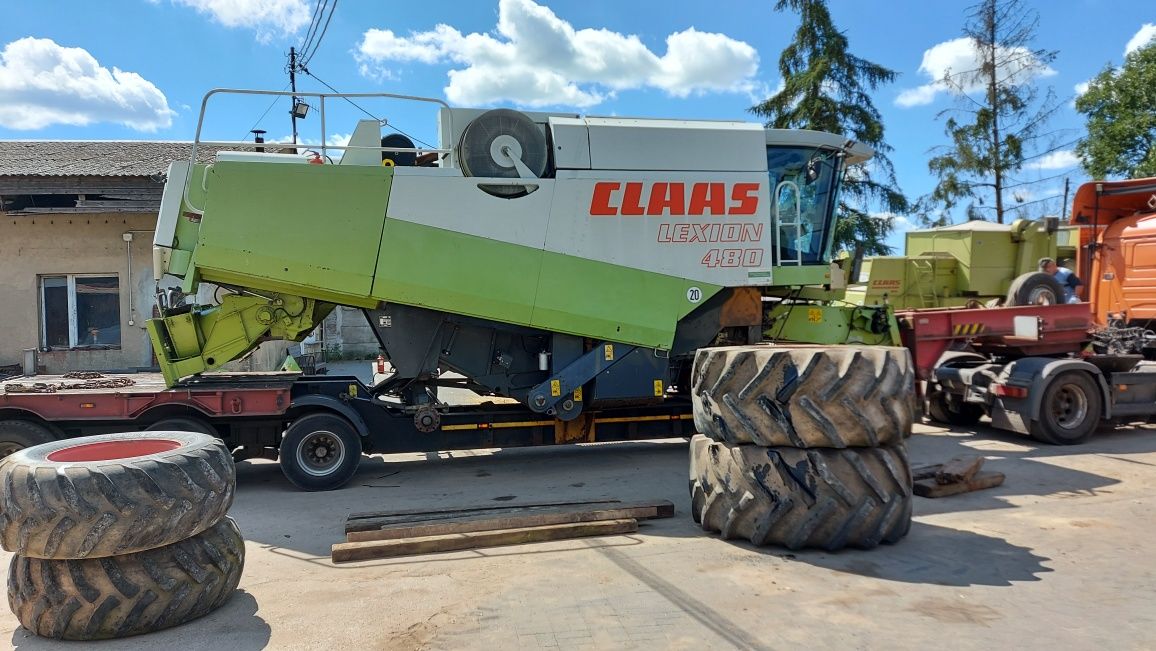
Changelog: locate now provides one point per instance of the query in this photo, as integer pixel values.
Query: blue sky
(137, 69)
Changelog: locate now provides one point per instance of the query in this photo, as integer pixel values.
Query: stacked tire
(803, 446)
(119, 534)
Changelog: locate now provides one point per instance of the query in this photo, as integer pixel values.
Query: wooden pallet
(960, 475)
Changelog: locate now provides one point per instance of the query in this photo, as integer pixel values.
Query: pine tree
(826, 88)
(1001, 116)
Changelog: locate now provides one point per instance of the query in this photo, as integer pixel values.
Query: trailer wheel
(1035, 288)
(15, 435)
(320, 452)
(939, 409)
(804, 396)
(101, 598)
(1070, 410)
(183, 425)
(113, 494)
(817, 498)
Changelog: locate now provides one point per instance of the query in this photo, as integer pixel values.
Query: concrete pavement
(1057, 557)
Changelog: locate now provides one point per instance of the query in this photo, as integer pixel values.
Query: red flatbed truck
(316, 426)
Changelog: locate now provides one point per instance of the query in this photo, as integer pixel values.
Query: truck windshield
(803, 183)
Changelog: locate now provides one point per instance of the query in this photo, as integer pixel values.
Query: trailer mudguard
(333, 404)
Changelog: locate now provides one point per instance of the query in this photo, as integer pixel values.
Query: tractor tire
(805, 396)
(1035, 288)
(113, 494)
(818, 498)
(119, 596)
(15, 435)
(1070, 411)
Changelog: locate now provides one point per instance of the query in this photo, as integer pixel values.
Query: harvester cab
(561, 260)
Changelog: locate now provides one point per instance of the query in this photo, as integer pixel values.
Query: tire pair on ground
(119, 534)
(803, 446)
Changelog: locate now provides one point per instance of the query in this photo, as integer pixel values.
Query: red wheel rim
(108, 450)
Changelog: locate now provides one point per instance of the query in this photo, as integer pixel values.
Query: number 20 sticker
(694, 294)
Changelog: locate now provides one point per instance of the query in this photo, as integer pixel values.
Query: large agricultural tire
(818, 498)
(804, 396)
(15, 435)
(119, 596)
(1035, 288)
(1070, 410)
(113, 494)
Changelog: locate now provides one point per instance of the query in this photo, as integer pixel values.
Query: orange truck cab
(1117, 254)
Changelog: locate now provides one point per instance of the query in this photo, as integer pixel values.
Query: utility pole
(1064, 206)
(293, 86)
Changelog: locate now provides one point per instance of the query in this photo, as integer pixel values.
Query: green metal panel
(797, 275)
(313, 230)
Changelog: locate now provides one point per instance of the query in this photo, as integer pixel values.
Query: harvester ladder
(925, 282)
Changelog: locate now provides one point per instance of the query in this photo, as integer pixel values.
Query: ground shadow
(933, 555)
(235, 625)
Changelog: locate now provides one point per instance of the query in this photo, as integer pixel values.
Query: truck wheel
(119, 596)
(805, 397)
(183, 425)
(1070, 410)
(320, 452)
(939, 409)
(830, 499)
(15, 435)
(1035, 288)
(112, 494)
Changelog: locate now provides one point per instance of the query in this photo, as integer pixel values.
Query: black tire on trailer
(320, 452)
(131, 594)
(804, 396)
(183, 424)
(1070, 410)
(965, 414)
(823, 498)
(15, 435)
(1035, 288)
(113, 494)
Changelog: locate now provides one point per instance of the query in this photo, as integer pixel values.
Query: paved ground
(1059, 557)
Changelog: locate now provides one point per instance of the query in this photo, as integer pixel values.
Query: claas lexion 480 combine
(564, 261)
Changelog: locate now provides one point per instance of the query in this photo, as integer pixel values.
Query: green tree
(826, 88)
(1121, 109)
(1001, 116)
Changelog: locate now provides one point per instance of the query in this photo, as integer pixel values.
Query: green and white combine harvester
(573, 264)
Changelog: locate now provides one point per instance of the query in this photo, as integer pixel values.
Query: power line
(270, 108)
(317, 43)
(313, 23)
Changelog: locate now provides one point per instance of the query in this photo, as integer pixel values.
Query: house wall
(32, 246)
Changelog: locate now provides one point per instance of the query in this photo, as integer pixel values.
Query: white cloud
(959, 57)
(1143, 37)
(1082, 87)
(268, 18)
(534, 58)
(1057, 160)
(42, 83)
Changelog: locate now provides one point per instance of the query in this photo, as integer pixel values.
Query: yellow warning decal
(608, 349)
(555, 388)
(658, 390)
(353, 391)
(578, 394)
(967, 329)
(814, 315)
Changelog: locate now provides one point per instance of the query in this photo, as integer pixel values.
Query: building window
(80, 311)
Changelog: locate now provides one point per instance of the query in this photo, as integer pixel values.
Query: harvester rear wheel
(1036, 288)
(804, 396)
(818, 498)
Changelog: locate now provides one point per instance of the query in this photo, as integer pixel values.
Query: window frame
(73, 334)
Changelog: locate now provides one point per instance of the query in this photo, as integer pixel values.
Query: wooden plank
(927, 488)
(363, 551)
(494, 523)
(926, 471)
(663, 508)
(959, 469)
(482, 507)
